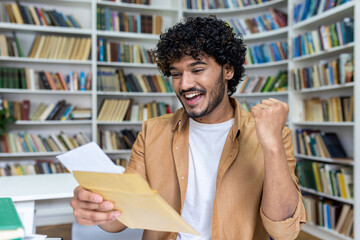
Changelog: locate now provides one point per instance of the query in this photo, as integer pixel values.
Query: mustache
(181, 92)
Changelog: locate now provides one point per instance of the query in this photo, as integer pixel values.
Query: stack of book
(325, 73)
(110, 79)
(17, 78)
(331, 179)
(31, 167)
(73, 81)
(10, 46)
(266, 53)
(215, 4)
(254, 84)
(143, 2)
(11, 226)
(309, 8)
(28, 14)
(26, 142)
(127, 22)
(58, 111)
(117, 110)
(118, 51)
(334, 109)
(330, 215)
(324, 38)
(117, 140)
(61, 47)
(318, 144)
(273, 20)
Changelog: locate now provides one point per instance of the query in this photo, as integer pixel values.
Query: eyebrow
(191, 65)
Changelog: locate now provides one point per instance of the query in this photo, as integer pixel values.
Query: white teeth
(192, 95)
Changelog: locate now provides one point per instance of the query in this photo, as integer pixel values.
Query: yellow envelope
(140, 206)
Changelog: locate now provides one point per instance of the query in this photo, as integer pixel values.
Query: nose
(187, 81)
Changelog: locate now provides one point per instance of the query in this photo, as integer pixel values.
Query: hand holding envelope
(140, 206)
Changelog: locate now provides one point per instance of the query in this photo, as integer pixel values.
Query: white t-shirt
(206, 142)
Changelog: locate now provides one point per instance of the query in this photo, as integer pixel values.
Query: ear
(228, 71)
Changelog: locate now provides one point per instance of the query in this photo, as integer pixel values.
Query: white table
(40, 199)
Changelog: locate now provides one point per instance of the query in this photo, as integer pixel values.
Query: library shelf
(137, 7)
(48, 29)
(330, 124)
(136, 94)
(322, 231)
(44, 92)
(281, 32)
(126, 64)
(123, 123)
(30, 154)
(123, 151)
(260, 94)
(339, 199)
(127, 35)
(282, 63)
(54, 122)
(323, 18)
(326, 160)
(325, 53)
(47, 61)
(255, 7)
(326, 88)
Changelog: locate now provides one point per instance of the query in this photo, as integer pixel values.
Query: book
(10, 224)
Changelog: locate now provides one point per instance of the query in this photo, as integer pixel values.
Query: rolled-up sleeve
(289, 228)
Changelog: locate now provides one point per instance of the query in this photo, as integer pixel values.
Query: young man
(229, 173)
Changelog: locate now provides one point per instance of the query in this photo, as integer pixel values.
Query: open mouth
(192, 98)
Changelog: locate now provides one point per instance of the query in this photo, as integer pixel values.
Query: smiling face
(201, 87)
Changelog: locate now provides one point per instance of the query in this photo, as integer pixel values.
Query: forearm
(280, 196)
(113, 227)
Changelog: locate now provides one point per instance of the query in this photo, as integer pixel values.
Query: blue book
(266, 54)
(303, 45)
(82, 81)
(306, 10)
(276, 51)
(272, 23)
(260, 21)
(258, 54)
(253, 56)
(101, 49)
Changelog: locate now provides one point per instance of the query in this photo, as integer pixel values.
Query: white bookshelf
(346, 131)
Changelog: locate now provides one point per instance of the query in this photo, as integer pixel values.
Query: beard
(216, 95)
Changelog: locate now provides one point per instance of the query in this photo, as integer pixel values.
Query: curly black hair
(199, 35)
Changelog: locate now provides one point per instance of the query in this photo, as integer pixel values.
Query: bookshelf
(347, 131)
(86, 13)
(172, 11)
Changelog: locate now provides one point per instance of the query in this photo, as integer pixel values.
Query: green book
(10, 223)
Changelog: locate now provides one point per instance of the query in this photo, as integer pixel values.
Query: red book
(62, 81)
(25, 110)
(50, 80)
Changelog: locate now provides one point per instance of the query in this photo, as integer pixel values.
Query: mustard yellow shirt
(161, 156)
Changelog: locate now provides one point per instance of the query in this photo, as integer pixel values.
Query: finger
(262, 106)
(267, 102)
(95, 215)
(104, 206)
(87, 222)
(85, 195)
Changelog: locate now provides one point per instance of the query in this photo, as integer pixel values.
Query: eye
(175, 75)
(197, 70)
